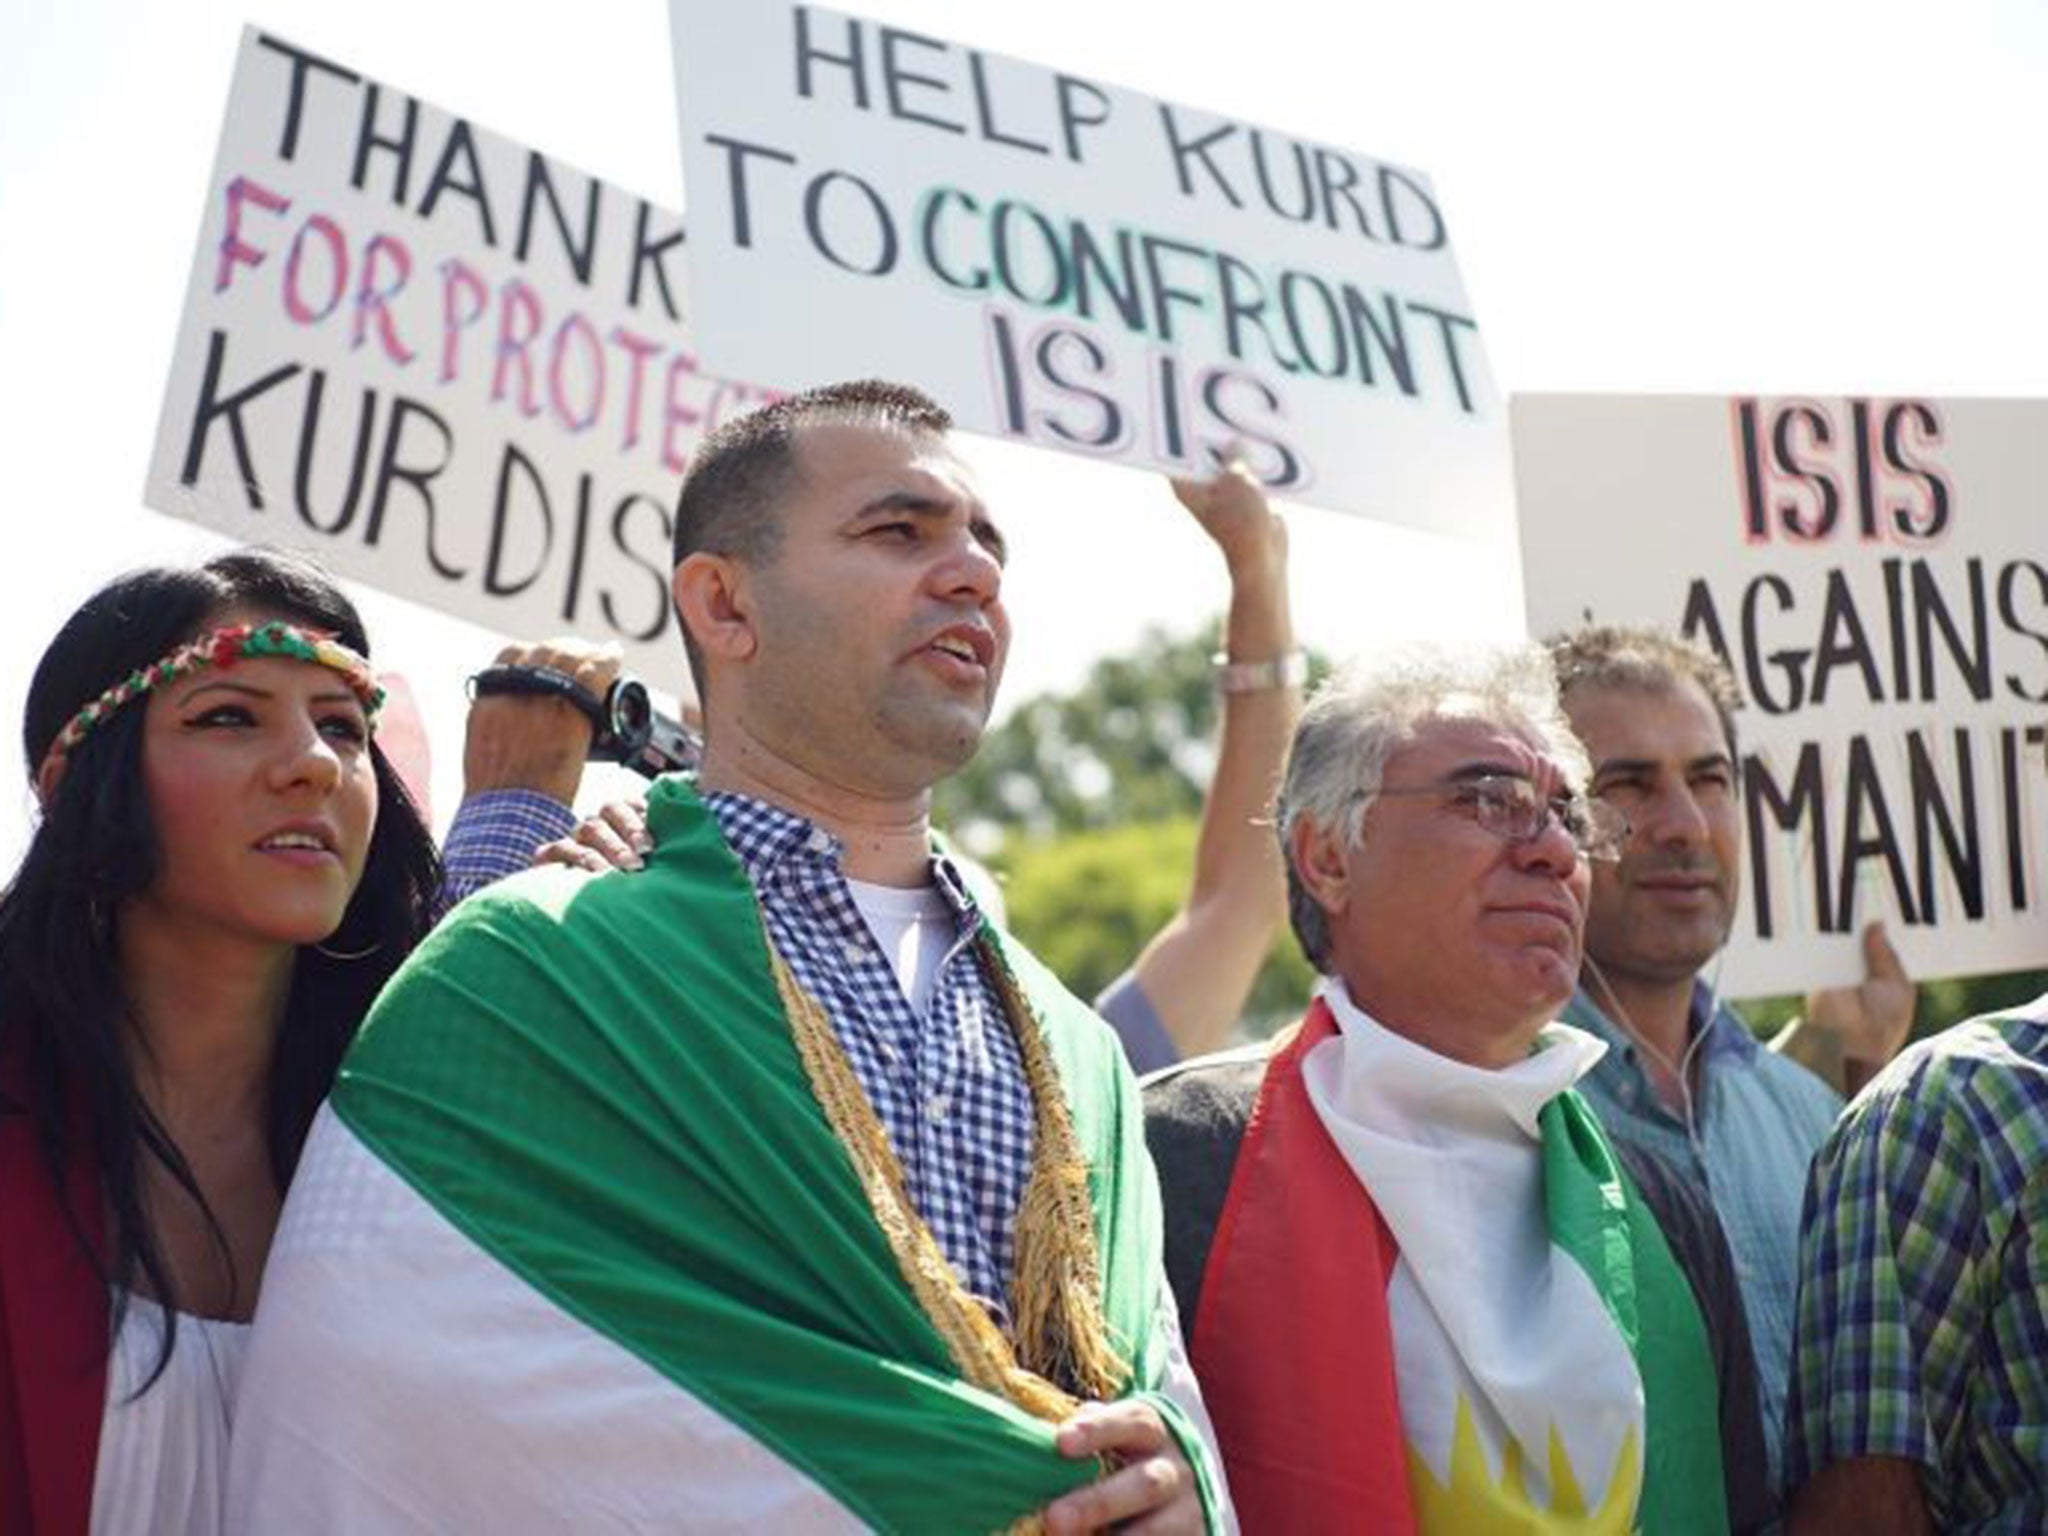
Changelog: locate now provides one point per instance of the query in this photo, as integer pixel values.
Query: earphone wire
(1681, 1071)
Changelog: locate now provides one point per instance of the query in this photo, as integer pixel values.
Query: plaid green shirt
(1922, 1327)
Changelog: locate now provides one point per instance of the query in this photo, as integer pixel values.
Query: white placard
(444, 363)
(1067, 263)
(1875, 571)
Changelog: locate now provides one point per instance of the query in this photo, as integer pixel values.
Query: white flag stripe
(1485, 1309)
(372, 1298)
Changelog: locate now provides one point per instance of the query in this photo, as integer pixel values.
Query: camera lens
(632, 712)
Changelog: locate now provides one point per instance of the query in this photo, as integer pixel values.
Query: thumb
(1880, 960)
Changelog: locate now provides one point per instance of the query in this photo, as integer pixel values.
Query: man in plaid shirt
(1919, 1395)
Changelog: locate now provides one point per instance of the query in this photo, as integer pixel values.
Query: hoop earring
(349, 954)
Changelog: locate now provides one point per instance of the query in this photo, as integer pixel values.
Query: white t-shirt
(163, 1456)
(914, 928)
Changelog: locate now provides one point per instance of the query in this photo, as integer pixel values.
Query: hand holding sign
(1233, 511)
(1871, 573)
(1871, 1020)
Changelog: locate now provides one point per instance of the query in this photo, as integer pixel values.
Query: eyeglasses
(1511, 810)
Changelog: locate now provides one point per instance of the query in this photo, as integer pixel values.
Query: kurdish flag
(1490, 1326)
(573, 1247)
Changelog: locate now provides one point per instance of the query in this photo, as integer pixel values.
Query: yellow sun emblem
(1474, 1503)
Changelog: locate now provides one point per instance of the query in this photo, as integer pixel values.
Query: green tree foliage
(1136, 742)
(1087, 805)
(1087, 902)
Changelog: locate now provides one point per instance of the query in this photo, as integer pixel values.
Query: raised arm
(522, 759)
(1197, 971)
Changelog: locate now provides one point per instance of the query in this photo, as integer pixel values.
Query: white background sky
(1735, 197)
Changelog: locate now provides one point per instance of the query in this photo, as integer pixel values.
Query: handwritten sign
(1066, 263)
(441, 361)
(1874, 573)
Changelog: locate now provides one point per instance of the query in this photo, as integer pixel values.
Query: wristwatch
(1288, 671)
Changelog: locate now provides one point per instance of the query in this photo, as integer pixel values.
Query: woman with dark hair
(225, 872)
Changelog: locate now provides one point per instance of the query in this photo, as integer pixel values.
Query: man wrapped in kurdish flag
(1424, 1291)
(771, 1186)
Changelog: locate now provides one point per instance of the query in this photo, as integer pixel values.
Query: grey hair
(1363, 714)
(1648, 660)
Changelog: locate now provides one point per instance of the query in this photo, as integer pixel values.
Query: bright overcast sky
(1715, 198)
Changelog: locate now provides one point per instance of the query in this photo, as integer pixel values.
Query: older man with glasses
(1424, 1291)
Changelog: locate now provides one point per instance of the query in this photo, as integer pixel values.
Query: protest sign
(442, 362)
(1874, 572)
(1067, 263)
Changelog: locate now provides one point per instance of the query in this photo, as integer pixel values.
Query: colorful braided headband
(223, 648)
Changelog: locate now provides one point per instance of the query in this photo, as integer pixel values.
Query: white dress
(163, 1456)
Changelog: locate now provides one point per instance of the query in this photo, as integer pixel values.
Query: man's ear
(713, 604)
(1320, 861)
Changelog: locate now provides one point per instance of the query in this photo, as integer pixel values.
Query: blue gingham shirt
(494, 834)
(1757, 1121)
(947, 1085)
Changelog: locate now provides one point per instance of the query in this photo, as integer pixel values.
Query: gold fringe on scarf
(1063, 1353)
(1056, 1287)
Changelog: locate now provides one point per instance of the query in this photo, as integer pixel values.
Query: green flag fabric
(1603, 1224)
(592, 1082)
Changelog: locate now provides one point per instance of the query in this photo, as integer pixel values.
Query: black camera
(625, 727)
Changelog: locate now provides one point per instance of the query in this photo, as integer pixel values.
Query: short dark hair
(1645, 658)
(742, 473)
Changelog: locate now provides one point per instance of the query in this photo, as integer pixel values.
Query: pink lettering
(578, 329)
(234, 250)
(373, 300)
(295, 303)
(678, 418)
(640, 349)
(518, 324)
(458, 281)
